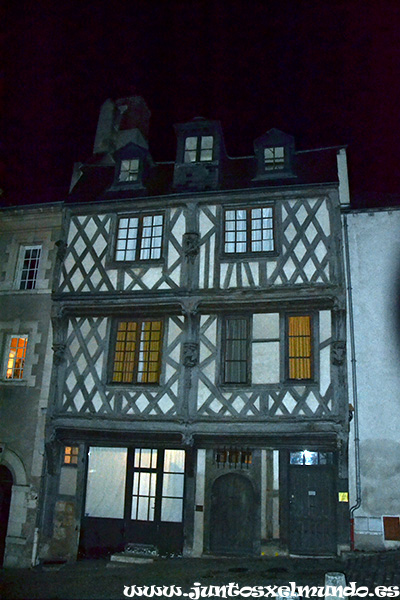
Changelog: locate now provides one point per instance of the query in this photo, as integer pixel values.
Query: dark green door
(312, 519)
(232, 515)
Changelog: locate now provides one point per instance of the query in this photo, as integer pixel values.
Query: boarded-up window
(299, 351)
(391, 526)
(137, 356)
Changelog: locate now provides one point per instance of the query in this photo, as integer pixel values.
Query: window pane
(171, 510)
(124, 357)
(262, 229)
(151, 237)
(191, 143)
(174, 461)
(149, 352)
(145, 458)
(173, 485)
(274, 158)
(105, 489)
(236, 351)
(127, 238)
(235, 231)
(16, 357)
(29, 268)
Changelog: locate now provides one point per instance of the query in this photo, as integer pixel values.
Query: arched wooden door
(232, 516)
(6, 482)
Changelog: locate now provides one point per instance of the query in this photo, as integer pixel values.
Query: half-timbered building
(199, 397)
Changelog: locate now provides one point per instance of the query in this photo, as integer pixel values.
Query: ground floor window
(133, 495)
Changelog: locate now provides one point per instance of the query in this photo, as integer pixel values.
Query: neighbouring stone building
(372, 251)
(27, 251)
(198, 400)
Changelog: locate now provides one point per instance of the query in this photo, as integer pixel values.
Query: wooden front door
(232, 515)
(6, 482)
(312, 519)
(133, 495)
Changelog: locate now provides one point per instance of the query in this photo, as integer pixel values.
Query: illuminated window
(139, 238)
(233, 458)
(71, 455)
(308, 458)
(274, 158)
(198, 148)
(29, 267)
(16, 357)
(249, 230)
(137, 356)
(129, 170)
(299, 347)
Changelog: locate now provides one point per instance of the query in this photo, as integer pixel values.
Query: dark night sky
(326, 71)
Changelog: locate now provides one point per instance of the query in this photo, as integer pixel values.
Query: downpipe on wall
(353, 379)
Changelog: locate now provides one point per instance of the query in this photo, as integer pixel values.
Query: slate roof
(309, 167)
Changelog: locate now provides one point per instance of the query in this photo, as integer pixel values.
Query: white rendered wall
(374, 245)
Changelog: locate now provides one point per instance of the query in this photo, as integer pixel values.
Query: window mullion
(139, 238)
(248, 229)
(137, 350)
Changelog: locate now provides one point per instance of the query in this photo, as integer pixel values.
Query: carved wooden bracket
(191, 245)
(61, 250)
(338, 352)
(190, 354)
(59, 353)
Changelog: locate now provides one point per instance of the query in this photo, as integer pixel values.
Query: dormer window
(129, 170)
(274, 158)
(199, 148)
(274, 152)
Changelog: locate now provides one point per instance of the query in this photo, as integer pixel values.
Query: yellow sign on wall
(343, 496)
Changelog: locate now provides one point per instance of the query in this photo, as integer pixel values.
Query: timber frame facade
(199, 391)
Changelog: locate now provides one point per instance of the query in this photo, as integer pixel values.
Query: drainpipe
(35, 547)
(354, 381)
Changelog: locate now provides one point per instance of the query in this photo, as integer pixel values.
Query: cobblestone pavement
(104, 580)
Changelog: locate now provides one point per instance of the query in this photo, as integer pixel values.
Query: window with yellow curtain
(300, 347)
(137, 355)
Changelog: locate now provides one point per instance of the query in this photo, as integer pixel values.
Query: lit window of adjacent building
(249, 230)
(137, 355)
(274, 158)
(139, 238)
(129, 170)
(198, 148)
(299, 347)
(71, 454)
(29, 267)
(16, 357)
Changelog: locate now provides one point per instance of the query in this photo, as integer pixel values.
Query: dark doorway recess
(312, 518)
(232, 515)
(6, 482)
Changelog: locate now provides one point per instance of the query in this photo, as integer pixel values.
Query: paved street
(101, 579)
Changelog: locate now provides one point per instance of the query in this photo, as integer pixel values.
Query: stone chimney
(120, 122)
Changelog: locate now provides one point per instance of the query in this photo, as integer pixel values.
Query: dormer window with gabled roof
(274, 153)
(132, 165)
